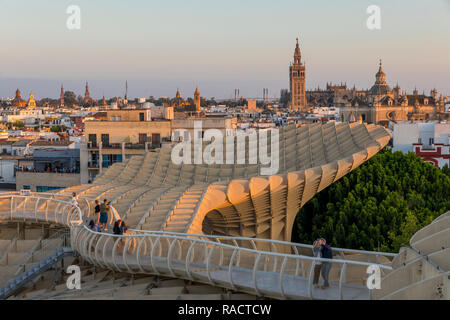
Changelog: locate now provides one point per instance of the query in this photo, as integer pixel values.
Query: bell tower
(87, 95)
(297, 78)
(61, 97)
(197, 100)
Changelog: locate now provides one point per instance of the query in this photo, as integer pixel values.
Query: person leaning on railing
(318, 265)
(326, 253)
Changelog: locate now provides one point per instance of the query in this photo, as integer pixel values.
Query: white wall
(426, 132)
(7, 171)
(442, 133)
(404, 135)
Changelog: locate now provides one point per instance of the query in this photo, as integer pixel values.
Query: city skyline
(158, 50)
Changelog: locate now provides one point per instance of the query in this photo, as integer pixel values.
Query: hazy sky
(159, 45)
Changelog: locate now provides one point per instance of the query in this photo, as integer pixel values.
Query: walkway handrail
(197, 259)
(219, 244)
(79, 215)
(269, 241)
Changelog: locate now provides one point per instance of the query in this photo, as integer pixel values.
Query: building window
(93, 140)
(46, 188)
(119, 118)
(105, 139)
(110, 159)
(113, 118)
(431, 141)
(141, 116)
(26, 187)
(142, 138)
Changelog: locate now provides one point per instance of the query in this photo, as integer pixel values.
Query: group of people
(103, 211)
(322, 250)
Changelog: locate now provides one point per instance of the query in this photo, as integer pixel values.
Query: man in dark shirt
(326, 253)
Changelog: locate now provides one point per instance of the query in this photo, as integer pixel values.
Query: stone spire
(87, 95)
(297, 54)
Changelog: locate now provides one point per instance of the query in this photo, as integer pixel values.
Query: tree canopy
(378, 206)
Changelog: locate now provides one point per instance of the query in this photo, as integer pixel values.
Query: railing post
(35, 209)
(97, 255)
(296, 260)
(104, 251)
(138, 253)
(89, 252)
(169, 257)
(275, 260)
(12, 206)
(46, 211)
(310, 279)
(188, 258)
(124, 254)
(283, 265)
(24, 205)
(239, 257)
(255, 269)
(230, 269)
(342, 280)
(208, 262)
(114, 252)
(152, 254)
(221, 253)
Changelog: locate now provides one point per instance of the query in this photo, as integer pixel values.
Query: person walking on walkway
(327, 253)
(318, 264)
(97, 210)
(75, 198)
(104, 213)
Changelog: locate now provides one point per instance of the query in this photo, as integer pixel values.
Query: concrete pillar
(123, 151)
(45, 231)
(84, 159)
(100, 156)
(21, 230)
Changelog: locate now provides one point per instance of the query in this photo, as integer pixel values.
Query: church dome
(380, 87)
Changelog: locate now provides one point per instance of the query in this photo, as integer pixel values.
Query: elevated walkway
(253, 266)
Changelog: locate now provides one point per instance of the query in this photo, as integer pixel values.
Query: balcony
(135, 146)
(112, 146)
(93, 164)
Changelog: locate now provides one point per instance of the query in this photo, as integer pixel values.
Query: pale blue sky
(159, 45)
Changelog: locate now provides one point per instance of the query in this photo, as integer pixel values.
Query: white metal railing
(257, 266)
(273, 274)
(39, 209)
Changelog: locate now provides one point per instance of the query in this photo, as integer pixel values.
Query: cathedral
(380, 104)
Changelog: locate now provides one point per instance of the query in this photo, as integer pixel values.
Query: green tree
(58, 129)
(378, 206)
